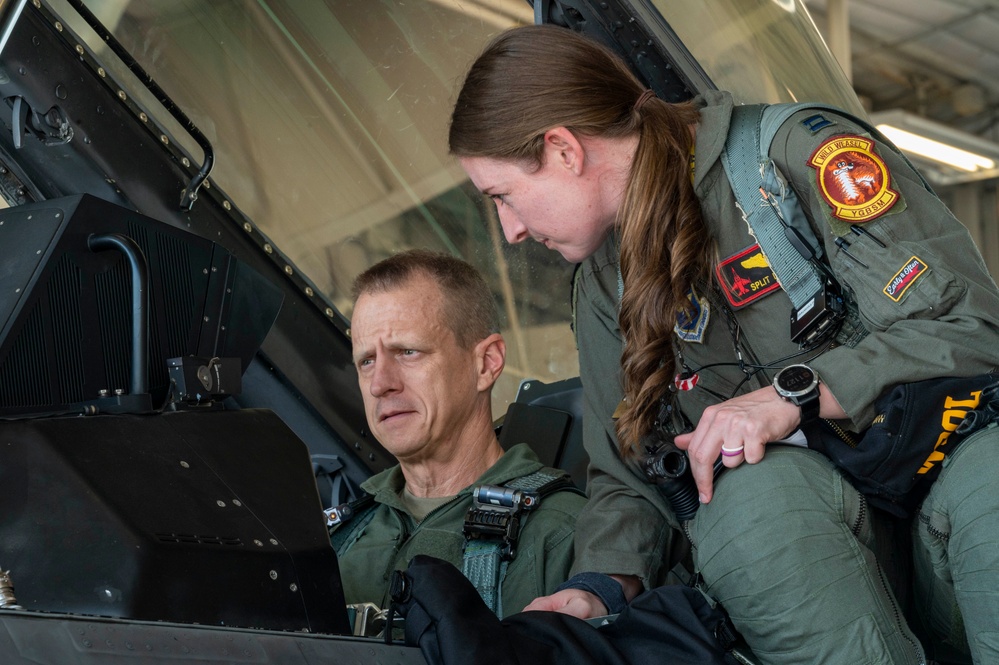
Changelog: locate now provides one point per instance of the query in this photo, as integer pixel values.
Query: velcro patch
(814, 123)
(690, 326)
(746, 277)
(904, 278)
(852, 179)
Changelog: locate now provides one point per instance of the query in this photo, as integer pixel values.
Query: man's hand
(584, 604)
(574, 602)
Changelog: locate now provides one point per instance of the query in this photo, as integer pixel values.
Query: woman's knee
(791, 492)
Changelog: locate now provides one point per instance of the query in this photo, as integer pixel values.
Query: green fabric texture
(777, 549)
(946, 324)
(392, 537)
(957, 553)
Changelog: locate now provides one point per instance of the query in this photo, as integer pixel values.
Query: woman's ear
(564, 150)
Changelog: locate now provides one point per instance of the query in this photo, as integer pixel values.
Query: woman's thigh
(784, 547)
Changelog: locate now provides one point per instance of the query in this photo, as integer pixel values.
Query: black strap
(348, 520)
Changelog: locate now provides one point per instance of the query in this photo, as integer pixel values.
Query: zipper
(925, 521)
(411, 526)
(899, 623)
(441, 507)
(916, 647)
(847, 437)
(686, 530)
(861, 516)
(416, 525)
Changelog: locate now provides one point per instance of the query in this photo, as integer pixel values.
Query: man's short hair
(469, 309)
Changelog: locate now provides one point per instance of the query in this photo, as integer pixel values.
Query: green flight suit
(788, 545)
(392, 537)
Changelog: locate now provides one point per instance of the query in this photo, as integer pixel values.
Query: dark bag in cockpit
(917, 425)
(451, 624)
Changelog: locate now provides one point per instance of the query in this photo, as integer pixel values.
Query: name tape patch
(904, 278)
(852, 179)
(746, 277)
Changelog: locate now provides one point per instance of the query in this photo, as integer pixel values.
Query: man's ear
(563, 149)
(490, 359)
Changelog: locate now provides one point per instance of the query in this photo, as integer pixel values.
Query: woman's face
(555, 205)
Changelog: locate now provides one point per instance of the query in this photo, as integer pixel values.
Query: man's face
(419, 387)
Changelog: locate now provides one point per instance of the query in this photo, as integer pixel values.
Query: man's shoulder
(561, 495)
(520, 463)
(520, 460)
(567, 500)
(553, 521)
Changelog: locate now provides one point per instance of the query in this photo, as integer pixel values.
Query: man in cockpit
(427, 350)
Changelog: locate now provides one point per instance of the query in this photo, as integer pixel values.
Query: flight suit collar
(712, 131)
(519, 461)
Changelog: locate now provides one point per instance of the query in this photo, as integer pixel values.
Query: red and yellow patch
(746, 276)
(852, 179)
(904, 278)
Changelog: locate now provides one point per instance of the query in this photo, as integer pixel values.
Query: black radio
(818, 317)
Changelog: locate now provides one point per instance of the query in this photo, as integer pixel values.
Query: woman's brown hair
(535, 78)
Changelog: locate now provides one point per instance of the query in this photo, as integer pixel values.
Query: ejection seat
(549, 418)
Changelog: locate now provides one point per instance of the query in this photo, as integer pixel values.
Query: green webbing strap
(748, 167)
(534, 482)
(485, 569)
(483, 563)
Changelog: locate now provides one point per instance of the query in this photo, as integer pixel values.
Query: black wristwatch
(799, 384)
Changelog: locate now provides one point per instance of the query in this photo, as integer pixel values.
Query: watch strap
(809, 405)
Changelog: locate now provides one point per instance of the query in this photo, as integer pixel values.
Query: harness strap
(492, 528)
(485, 568)
(748, 167)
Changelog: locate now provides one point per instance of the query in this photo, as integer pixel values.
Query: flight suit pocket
(898, 282)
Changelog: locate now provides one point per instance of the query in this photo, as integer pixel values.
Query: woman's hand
(743, 425)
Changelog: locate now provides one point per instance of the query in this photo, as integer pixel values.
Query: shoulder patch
(746, 277)
(852, 179)
(913, 269)
(690, 326)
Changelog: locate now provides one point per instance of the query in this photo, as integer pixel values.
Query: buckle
(495, 514)
(338, 514)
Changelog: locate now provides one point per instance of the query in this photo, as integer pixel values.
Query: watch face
(796, 378)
